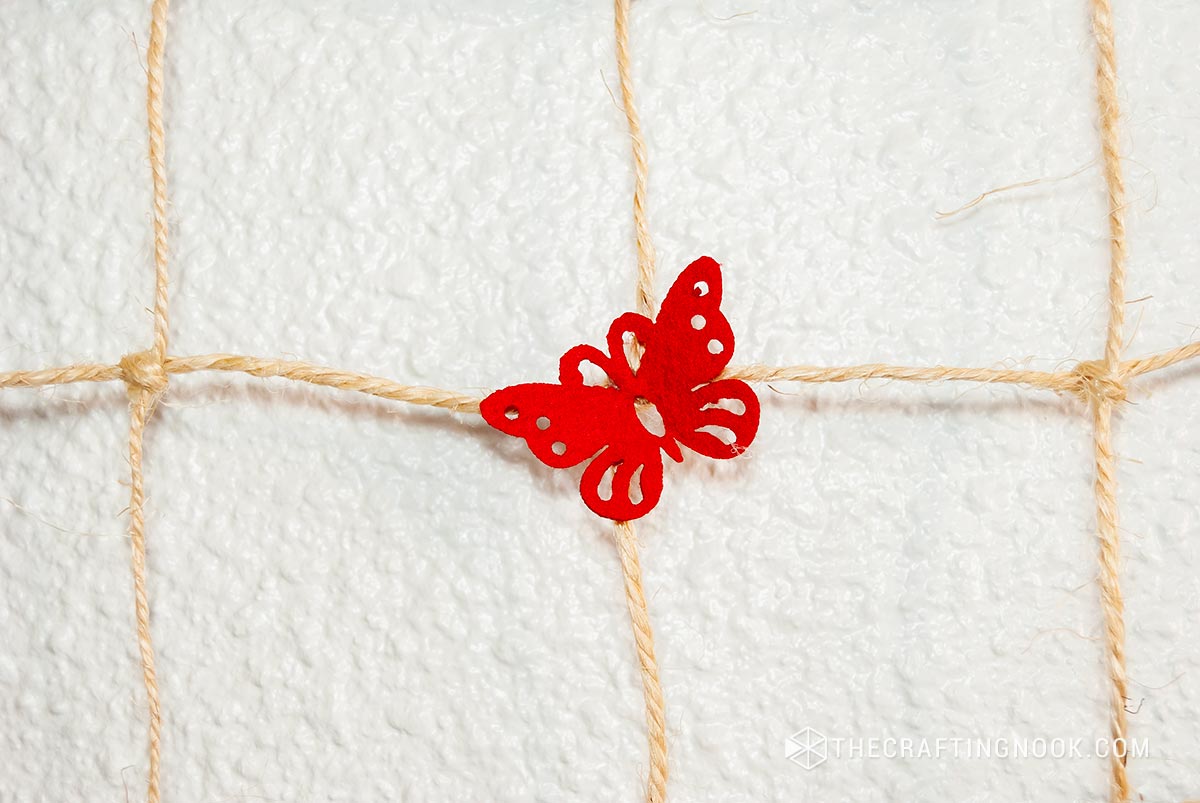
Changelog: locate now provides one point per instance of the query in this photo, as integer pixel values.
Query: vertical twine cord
(626, 540)
(1114, 179)
(646, 303)
(635, 598)
(1103, 404)
(139, 411)
(146, 379)
(1110, 594)
(158, 169)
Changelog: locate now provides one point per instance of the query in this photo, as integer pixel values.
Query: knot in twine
(1094, 383)
(143, 373)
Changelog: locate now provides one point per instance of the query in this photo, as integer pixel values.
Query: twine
(646, 302)
(146, 380)
(1084, 380)
(1101, 384)
(158, 170)
(1109, 391)
(643, 636)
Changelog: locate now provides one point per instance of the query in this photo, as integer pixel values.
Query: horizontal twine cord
(1156, 362)
(327, 377)
(1080, 381)
(66, 375)
(1064, 381)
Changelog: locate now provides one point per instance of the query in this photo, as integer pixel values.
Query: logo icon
(807, 748)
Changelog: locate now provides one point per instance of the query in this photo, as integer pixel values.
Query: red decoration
(685, 350)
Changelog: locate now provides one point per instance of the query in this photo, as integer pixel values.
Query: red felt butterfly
(686, 349)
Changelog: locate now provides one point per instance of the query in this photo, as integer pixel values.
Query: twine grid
(1101, 385)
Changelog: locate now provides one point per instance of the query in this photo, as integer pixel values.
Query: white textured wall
(357, 601)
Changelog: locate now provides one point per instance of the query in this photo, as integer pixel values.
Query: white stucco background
(360, 601)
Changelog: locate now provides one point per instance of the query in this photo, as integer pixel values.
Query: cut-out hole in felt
(593, 375)
(735, 406)
(635, 486)
(723, 434)
(683, 402)
(651, 418)
(604, 488)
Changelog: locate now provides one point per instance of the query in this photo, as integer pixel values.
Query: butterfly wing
(718, 420)
(625, 481)
(563, 424)
(566, 424)
(685, 349)
(691, 341)
(689, 345)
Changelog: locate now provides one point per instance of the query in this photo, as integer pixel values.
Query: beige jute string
(646, 303)
(1101, 384)
(1103, 403)
(146, 380)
